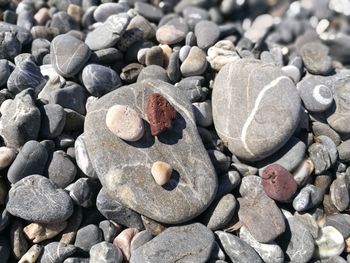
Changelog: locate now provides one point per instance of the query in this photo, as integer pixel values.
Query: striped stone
(255, 108)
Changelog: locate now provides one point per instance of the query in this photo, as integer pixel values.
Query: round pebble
(330, 243)
(161, 172)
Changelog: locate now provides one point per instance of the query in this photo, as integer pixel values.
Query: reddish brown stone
(160, 113)
(278, 183)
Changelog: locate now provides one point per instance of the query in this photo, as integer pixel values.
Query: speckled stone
(263, 121)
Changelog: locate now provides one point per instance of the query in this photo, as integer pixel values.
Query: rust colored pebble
(160, 113)
(278, 183)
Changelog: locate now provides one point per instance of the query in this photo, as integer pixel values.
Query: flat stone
(339, 192)
(309, 221)
(112, 209)
(160, 113)
(50, 205)
(269, 252)
(68, 55)
(140, 192)
(237, 249)
(316, 59)
(195, 63)
(220, 212)
(105, 10)
(109, 33)
(56, 252)
(278, 183)
(153, 72)
(174, 31)
(262, 217)
(61, 170)
(330, 147)
(318, 98)
(125, 123)
(341, 222)
(150, 12)
(330, 243)
(344, 152)
(183, 243)
(30, 160)
(87, 237)
(99, 80)
(207, 33)
(105, 252)
(297, 241)
(251, 186)
(26, 75)
(263, 121)
(309, 197)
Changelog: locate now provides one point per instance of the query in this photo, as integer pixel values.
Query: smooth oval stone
(87, 237)
(99, 80)
(317, 98)
(61, 169)
(20, 121)
(125, 122)
(195, 63)
(105, 252)
(278, 183)
(56, 252)
(203, 113)
(109, 33)
(344, 152)
(26, 75)
(160, 113)
(35, 198)
(320, 128)
(30, 160)
(263, 120)
(330, 243)
(105, 10)
(207, 33)
(153, 72)
(184, 243)
(237, 249)
(339, 192)
(139, 192)
(139, 22)
(297, 241)
(150, 12)
(53, 119)
(82, 158)
(316, 59)
(261, 216)
(68, 55)
(174, 31)
(309, 197)
(269, 252)
(161, 172)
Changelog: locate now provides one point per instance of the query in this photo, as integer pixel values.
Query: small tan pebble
(347, 242)
(125, 122)
(74, 11)
(123, 241)
(161, 172)
(7, 155)
(42, 16)
(166, 54)
(31, 255)
(39, 232)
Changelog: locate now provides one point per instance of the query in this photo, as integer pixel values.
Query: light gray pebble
(344, 151)
(320, 128)
(195, 63)
(140, 239)
(330, 146)
(309, 197)
(184, 51)
(56, 252)
(105, 10)
(174, 31)
(82, 157)
(84, 191)
(61, 169)
(320, 158)
(153, 72)
(109, 230)
(339, 192)
(207, 34)
(87, 237)
(105, 252)
(203, 113)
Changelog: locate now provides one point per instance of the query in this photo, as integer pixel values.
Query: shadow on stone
(173, 182)
(147, 139)
(173, 135)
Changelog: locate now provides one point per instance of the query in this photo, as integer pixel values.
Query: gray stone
(30, 160)
(26, 75)
(227, 183)
(143, 24)
(316, 59)
(297, 241)
(64, 22)
(180, 243)
(109, 230)
(140, 239)
(113, 210)
(289, 156)
(108, 56)
(82, 157)
(222, 53)
(144, 195)
(68, 55)
(293, 72)
(339, 192)
(87, 237)
(320, 128)
(251, 186)
(309, 221)
(309, 197)
(203, 113)
(264, 121)
(56, 252)
(153, 72)
(53, 118)
(320, 158)
(341, 222)
(194, 15)
(193, 87)
(74, 121)
(154, 56)
(330, 147)
(18, 241)
(61, 169)
(76, 260)
(184, 52)
(173, 70)
(35, 198)
(220, 212)
(105, 252)
(207, 33)
(237, 249)
(105, 10)
(344, 151)
(10, 46)
(269, 252)
(261, 216)
(4, 71)
(22, 34)
(20, 121)
(150, 12)
(100, 80)
(220, 161)
(174, 31)
(109, 33)
(84, 191)
(195, 63)
(316, 98)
